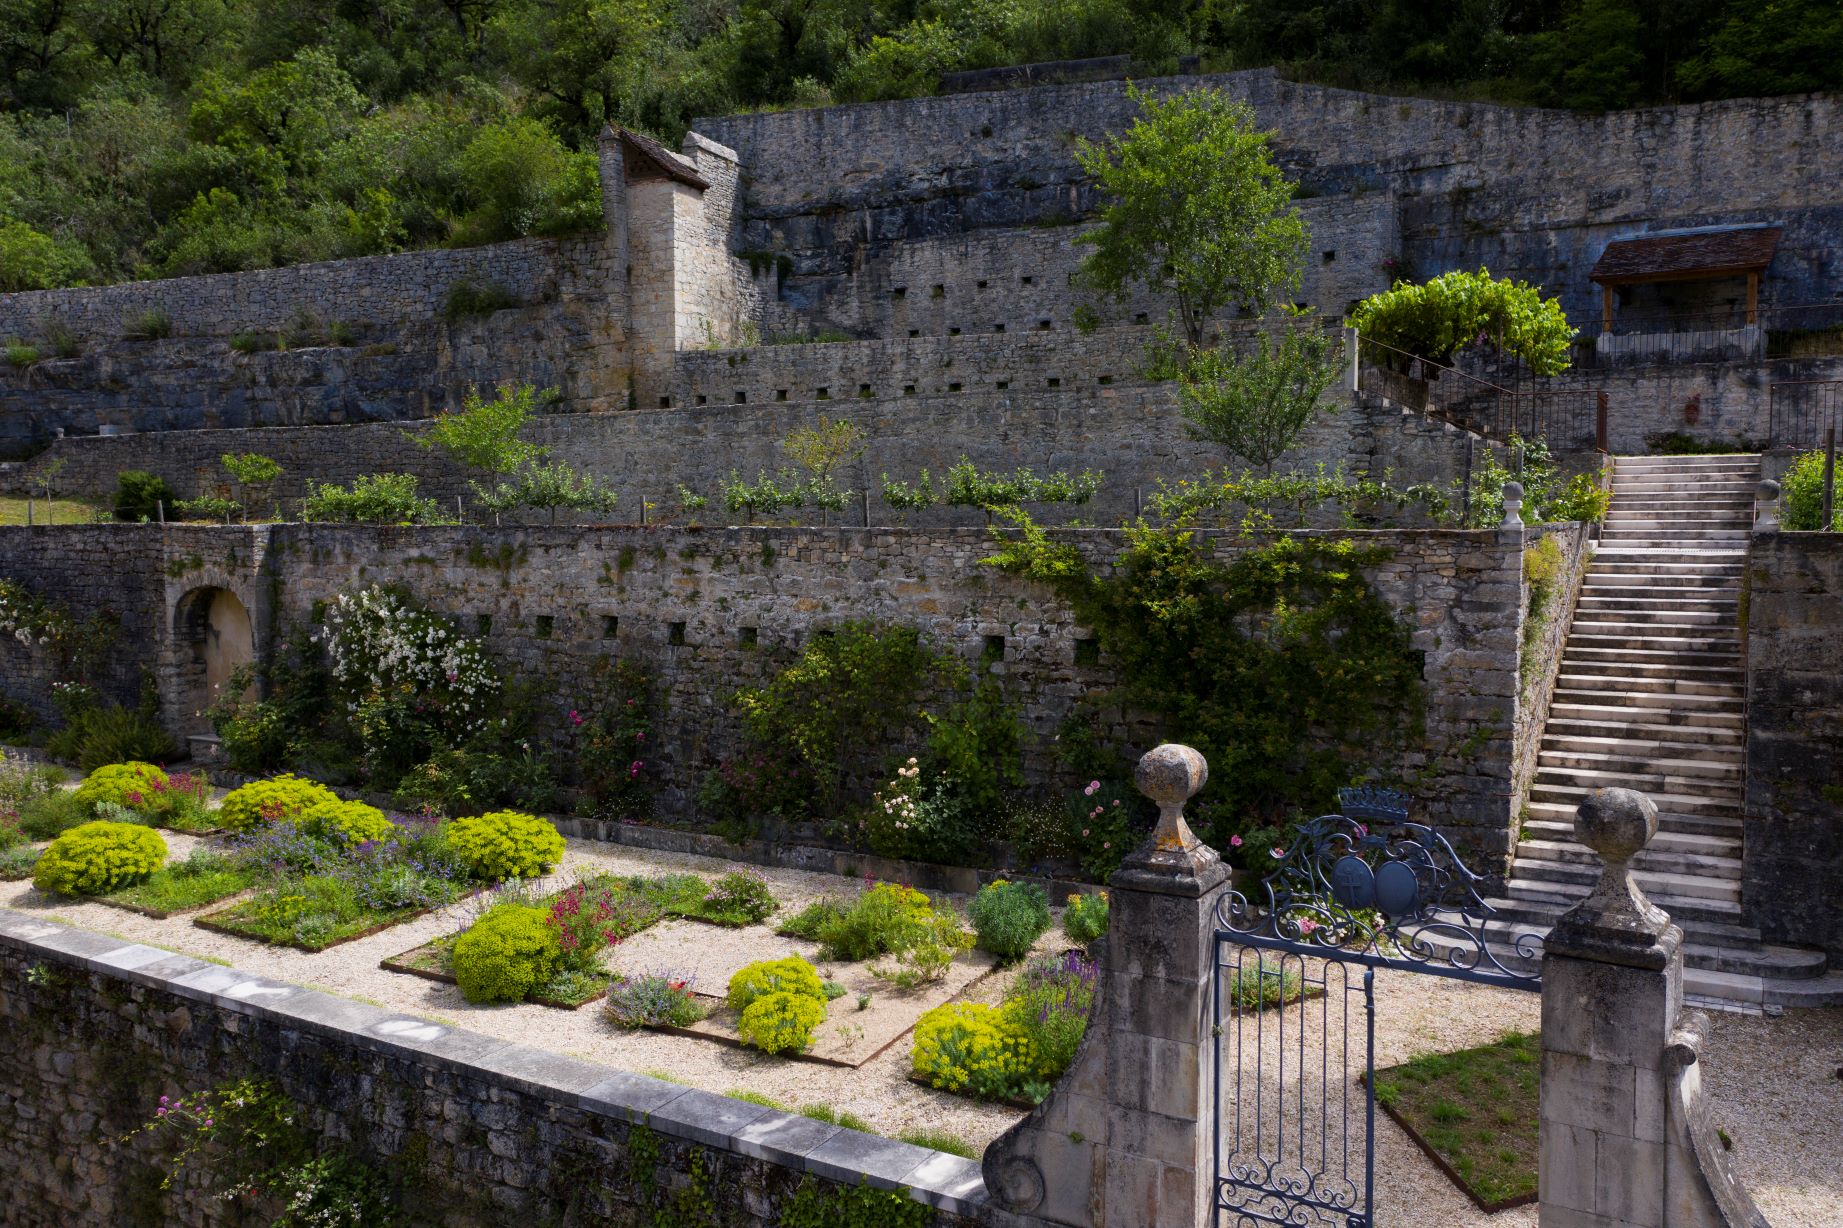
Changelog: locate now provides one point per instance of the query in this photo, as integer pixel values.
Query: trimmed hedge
(97, 858)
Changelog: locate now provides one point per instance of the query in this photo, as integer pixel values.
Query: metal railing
(1800, 412)
(1569, 419)
(1799, 330)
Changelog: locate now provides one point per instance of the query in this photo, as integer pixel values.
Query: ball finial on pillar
(1616, 924)
(1171, 775)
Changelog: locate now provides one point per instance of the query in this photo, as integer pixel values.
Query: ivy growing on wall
(1282, 664)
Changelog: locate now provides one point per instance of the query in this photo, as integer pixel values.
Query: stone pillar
(1513, 505)
(1625, 1139)
(1766, 507)
(1124, 1139)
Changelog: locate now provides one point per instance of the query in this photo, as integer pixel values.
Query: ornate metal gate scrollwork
(1354, 892)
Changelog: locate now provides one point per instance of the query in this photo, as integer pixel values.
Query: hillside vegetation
(151, 138)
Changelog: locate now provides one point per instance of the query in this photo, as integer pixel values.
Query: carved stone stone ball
(1513, 490)
(1170, 774)
(1616, 823)
(1767, 490)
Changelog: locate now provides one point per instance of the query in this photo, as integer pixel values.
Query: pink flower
(1092, 786)
(1276, 854)
(1107, 844)
(1084, 831)
(575, 717)
(1363, 829)
(1234, 842)
(639, 737)
(1307, 925)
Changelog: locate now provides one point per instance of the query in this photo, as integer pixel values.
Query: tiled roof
(651, 153)
(1687, 254)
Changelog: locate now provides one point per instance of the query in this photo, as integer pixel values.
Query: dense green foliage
(1008, 918)
(1440, 317)
(95, 858)
(187, 136)
(1802, 495)
(264, 802)
(1255, 405)
(1195, 208)
(1281, 663)
(120, 782)
(506, 954)
(506, 844)
(377, 498)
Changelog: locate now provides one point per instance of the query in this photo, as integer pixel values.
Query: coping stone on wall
(948, 1183)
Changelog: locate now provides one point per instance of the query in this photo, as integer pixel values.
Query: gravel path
(1774, 1083)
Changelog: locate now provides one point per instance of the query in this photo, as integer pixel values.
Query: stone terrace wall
(466, 1130)
(406, 360)
(1132, 433)
(1543, 656)
(1793, 852)
(1532, 193)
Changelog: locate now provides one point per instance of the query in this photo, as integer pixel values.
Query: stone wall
(1532, 193)
(1132, 432)
(1540, 662)
(464, 1129)
(405, 360)
(709, 611)
(1793, 852)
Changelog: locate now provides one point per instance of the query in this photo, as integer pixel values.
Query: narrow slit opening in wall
(998, 328)
(702, 399)
(864, 390)
(1043, 326)
(981, 285)
(545, 626)
(611, 626)
(748, 637)
(822, 633)
(780, 394)
(953, 332)
(1104, 380)
(938, 292)
(915, 332)
(908, 390)
(823, 394)
(742, 398)
(992, 648)
(1054, 382)
(665, 402)
(1142, 318)
(953, 387)
(1003, 384)
(483, 624)
(1087, 651)
(1328, 257)
(1027, 281)
(675, 635)
(900, 292)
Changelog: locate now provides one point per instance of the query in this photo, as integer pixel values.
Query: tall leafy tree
(1195, 208)
(1257, 405)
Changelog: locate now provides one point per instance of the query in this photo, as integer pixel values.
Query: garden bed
(433, 961)
(1475, 1114)
(237, 922)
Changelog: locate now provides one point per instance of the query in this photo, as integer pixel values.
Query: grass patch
(748, 1097)
(1267, 982)
(836, 1117)
(1475, 1113)
(57, 511)
(941, 1140)
(203, 878)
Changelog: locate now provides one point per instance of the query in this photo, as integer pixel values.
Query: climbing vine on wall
(78, 645)
(1282, 664)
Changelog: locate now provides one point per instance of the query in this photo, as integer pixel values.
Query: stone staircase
(1651, 696)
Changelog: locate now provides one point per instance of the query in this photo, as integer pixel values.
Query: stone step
(1714, 482)
(1675, 650)
(1689, 891)
(1683, 795)
(1696, 574)
(1544, 832)
(1701, 984)
(1561, 763)
(1560, 815)
(1685, 738)
(1638, 662)
(1651, 861)
(1595, 603)
(1649, 681)
(1651, 712)
(1590, 616)
(1572, 889)
(1662, 589)
(1671, 639)
(1535, 910)
(1640, 693)
(1675, 553)
(1728, 756)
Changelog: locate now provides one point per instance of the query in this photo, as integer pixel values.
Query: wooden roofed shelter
(1703, 253)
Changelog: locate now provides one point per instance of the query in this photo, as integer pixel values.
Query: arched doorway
(216, 639)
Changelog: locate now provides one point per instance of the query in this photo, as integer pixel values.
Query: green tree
(251, 471)
(1782, 47)
(1438, 318)
(485, 434)
(1195, 207)
(33, 261)
(824, 448)
(1257, 405)
(547, 486)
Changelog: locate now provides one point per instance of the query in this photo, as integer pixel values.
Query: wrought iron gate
(1295, 1003)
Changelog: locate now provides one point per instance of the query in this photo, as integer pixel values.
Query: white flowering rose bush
(409, 681)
